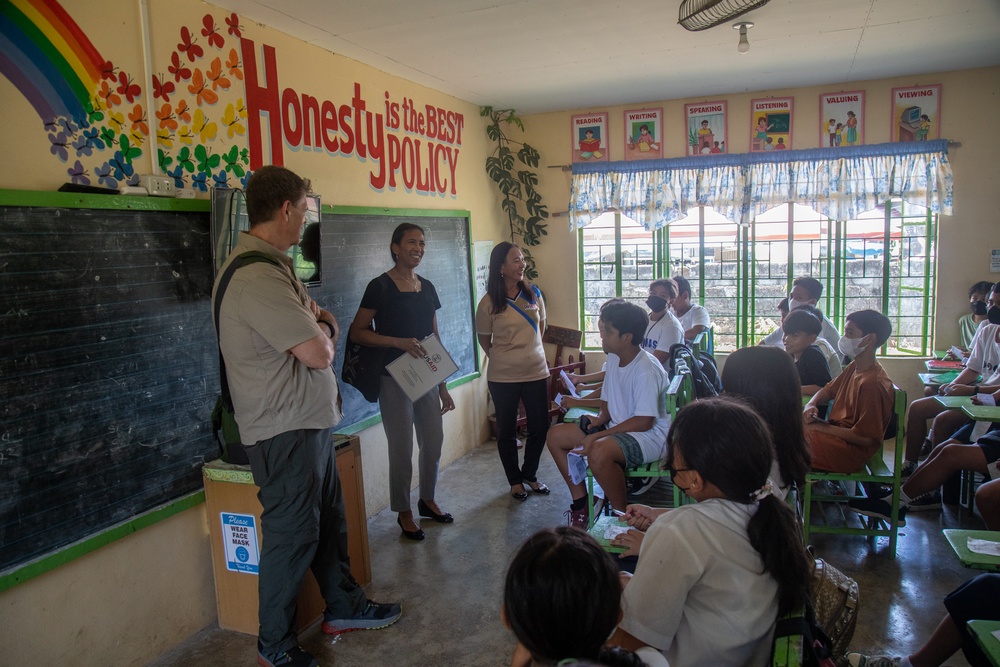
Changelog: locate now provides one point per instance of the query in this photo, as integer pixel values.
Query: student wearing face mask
(807, 291)
(663, 329)
(969, 323)
(862, 400)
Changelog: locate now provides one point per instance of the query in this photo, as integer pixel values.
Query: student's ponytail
(774, 532)
(729, 445)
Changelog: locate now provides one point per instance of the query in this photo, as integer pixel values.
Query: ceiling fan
(697, 15)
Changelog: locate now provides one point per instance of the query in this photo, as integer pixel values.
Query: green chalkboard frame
(24, 572)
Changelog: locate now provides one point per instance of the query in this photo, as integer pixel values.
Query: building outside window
(884, 259)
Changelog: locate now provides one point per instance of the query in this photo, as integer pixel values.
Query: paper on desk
(614, 530)
(985, 547)
(996, 634)
(986, 399)
(577, 467)
(570, 387)
(417, 376)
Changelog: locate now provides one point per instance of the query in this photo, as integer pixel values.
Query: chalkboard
(779, 122)
(108, 369)
(356, 250)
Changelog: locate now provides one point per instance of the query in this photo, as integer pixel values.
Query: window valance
(840, 183)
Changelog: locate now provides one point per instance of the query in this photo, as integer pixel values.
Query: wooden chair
(680, 392)
(875, 472)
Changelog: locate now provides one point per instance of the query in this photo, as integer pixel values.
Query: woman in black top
(402, 306)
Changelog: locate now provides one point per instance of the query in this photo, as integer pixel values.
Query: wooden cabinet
(229, 490)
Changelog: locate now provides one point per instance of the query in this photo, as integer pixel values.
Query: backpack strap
(244, 259)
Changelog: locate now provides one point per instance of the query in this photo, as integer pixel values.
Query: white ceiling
(550, 55)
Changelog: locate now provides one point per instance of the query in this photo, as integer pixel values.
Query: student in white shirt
(632, 407)
(663, 330)
(808, 290)
(713, 577)
(693, 318)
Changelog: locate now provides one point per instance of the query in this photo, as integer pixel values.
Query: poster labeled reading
(239, 538)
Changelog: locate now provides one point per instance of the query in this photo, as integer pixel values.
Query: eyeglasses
(674, 471)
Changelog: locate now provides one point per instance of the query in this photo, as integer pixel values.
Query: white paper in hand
(570, 387)
(577, 467)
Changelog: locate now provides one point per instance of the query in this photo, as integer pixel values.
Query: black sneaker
(293, 657)
(928, 501)
(908, 468)
(639, 485)
(373, 617)
(877, 509)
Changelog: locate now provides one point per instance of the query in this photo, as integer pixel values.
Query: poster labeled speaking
(916, 113)
(590, 137)
(706, 128)
(644, 134)
(770, 124)
(842, 119)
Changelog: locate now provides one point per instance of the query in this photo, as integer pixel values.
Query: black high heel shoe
(415, 535)
(426, 511)
(539, 488)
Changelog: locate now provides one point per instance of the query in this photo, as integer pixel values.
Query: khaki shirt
(516, 354)
(264, 313)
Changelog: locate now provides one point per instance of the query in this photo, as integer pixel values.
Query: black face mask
(994, 314)
(656, 303)
(978, 308)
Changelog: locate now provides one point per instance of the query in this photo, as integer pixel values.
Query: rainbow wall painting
(93, 111)
(48, 58)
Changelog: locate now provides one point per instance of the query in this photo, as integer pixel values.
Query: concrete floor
(449, 584)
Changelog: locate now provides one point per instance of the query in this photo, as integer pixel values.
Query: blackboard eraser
(86, 189)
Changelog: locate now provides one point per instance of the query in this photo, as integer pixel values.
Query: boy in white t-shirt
(632, 408)
(693, 318)
(663, 330)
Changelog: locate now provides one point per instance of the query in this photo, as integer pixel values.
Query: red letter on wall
(260, 100)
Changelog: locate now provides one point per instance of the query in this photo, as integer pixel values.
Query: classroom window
(884, 260)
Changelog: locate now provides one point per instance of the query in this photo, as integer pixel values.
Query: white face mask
(851, 347)
(793, 304)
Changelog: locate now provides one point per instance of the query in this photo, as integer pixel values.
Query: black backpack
(704, 372)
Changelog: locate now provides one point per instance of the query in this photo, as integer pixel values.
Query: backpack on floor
(704, 372)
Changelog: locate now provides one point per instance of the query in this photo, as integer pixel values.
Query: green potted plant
(521, 202)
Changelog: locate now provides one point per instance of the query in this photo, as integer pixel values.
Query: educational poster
(916, 113)
(590, 137)
(481, 265)
(706, 128)
(239, 538)
(770, 124)
(842, 119)
(644, 134)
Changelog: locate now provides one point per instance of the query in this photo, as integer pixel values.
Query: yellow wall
(969, 100)
(129, 602)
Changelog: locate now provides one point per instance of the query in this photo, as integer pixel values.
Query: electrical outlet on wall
(158, 186)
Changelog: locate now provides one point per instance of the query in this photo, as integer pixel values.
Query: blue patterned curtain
(840, 183)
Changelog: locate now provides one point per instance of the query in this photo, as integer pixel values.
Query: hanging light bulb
(744, 44)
